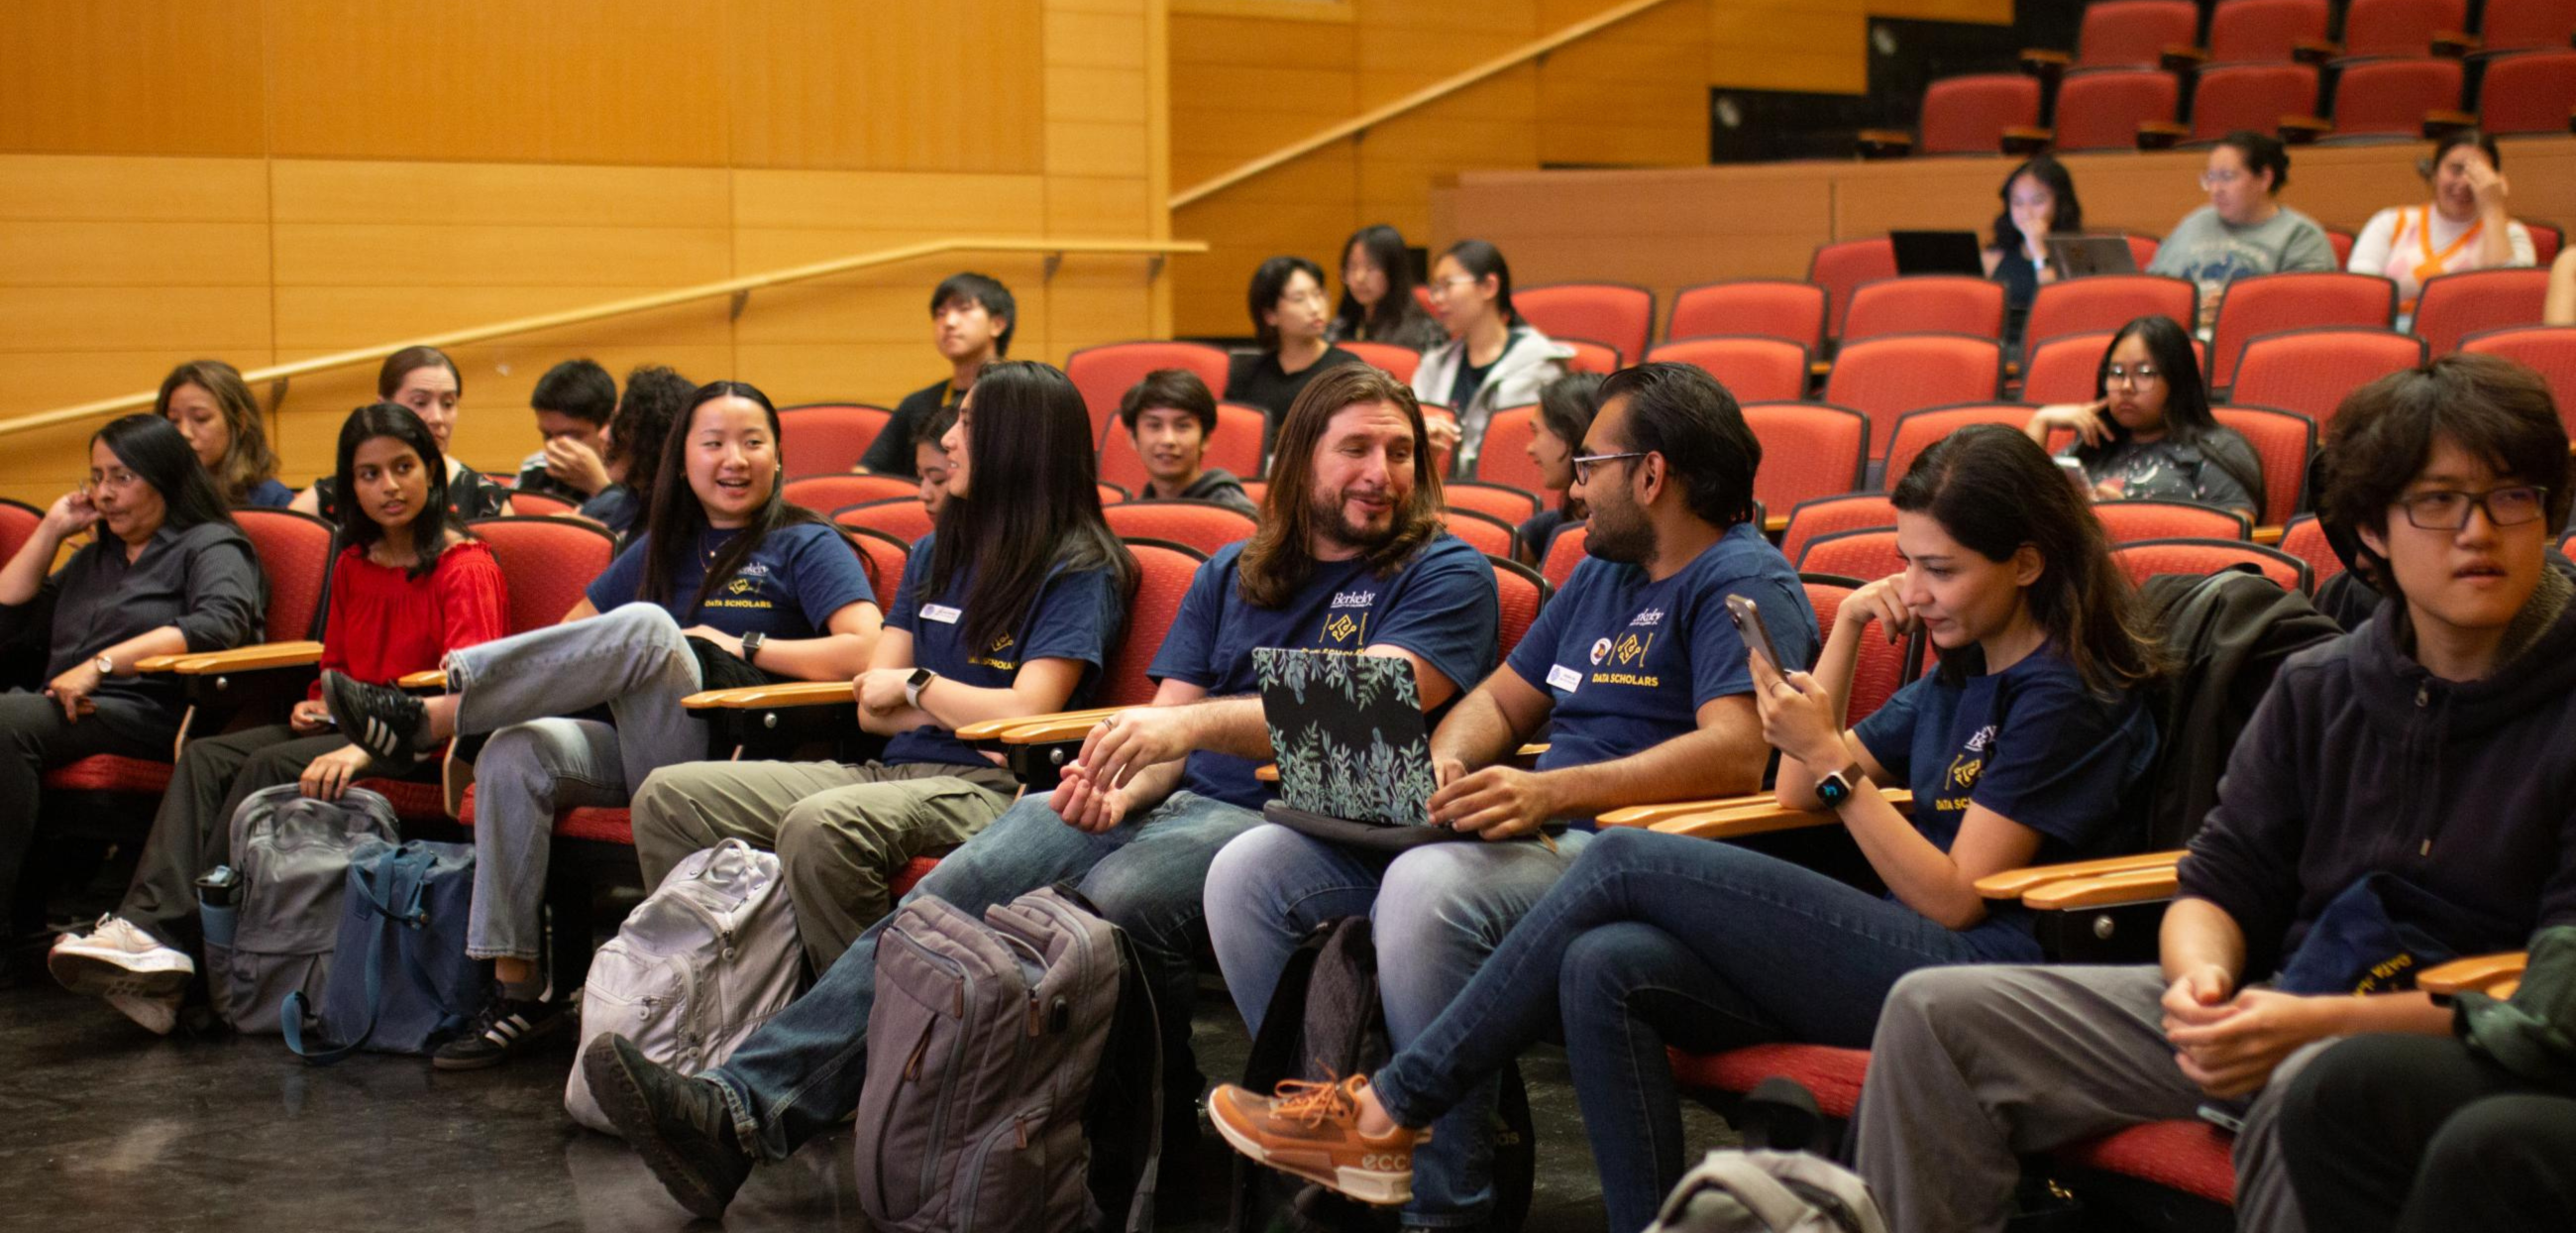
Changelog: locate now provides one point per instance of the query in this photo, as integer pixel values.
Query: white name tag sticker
(1562, 677)
(941, 613)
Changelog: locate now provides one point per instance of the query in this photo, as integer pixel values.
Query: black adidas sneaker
(379, 719)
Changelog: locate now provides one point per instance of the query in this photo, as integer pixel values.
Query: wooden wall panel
(918, 87)
(131, 77)
(499, 194)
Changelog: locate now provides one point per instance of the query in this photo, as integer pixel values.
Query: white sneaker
(118, 959)
(158, 1015)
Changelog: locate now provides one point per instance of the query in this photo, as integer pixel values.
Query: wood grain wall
(268, 180)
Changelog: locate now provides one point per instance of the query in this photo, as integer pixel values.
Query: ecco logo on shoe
(1385, 1162)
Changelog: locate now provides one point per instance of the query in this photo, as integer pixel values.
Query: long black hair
(1994, 490)
(1032, 501)
(159, 454)
(430, 526)
(2066, 213)
(679, 519)
(1384, 322)
(2188, 420)
(1565, 408)
(1270, 282)
(1482, 260)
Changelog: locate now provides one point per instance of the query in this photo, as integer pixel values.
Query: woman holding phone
(2148, 434)
(2018, 749)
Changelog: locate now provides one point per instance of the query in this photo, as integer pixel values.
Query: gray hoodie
(1529, 361)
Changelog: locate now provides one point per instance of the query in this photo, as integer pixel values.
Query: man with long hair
(1350, 556)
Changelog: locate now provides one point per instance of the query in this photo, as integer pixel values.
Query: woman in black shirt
(1288, 312)
(1378, 300)
(2039, 201)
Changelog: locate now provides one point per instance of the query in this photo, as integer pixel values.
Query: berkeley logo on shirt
(1346, 620)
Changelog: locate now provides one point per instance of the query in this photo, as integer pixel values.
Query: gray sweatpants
(1974, 1067)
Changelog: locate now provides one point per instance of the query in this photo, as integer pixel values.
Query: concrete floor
(105, 1127)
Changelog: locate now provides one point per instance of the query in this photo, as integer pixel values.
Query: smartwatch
(1836, 788)
(751, 644)
(913, 685)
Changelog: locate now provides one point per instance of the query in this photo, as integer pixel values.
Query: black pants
(193, 831)
(34, 738)
(2416, 1133)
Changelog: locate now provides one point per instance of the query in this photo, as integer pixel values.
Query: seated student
(1565, 410)
(426, 381)
(1639, 670)
(1008, 608)
(408, 587)
(930, 459)
(1492, 360)
(728, 585)
(1378, 304)
(2148, 434)
(1289, 313)
(2426, 1135)
(2427, 749)
(2244, 230)
(1351, 543)
(213, 409)
(2039, 201)
(2019, 747)
(2466, 227)
(573, 403)
(167, 573)
(971, 319)
(1169, 416)
(633, 441)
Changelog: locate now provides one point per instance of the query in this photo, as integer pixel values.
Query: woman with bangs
(2148, 434)
(210, 405)
(729, 585)
(1008, 608)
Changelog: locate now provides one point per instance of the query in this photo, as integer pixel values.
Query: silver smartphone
(1747, 616)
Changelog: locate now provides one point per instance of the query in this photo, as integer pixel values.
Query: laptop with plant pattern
(1348, 734)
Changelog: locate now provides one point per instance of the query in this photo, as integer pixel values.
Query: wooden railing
(1423, 97)
(739, 288)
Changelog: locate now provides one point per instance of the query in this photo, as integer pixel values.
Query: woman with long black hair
(409, 586)
(167, 572)
(425, 382)
(2148, 434)
(1008, 608)
(729, 585)
(1378, 303)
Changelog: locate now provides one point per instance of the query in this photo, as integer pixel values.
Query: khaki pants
(841, 832)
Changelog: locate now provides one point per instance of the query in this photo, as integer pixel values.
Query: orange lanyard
(2433, 262)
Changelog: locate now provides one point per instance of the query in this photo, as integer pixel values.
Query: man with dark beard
(1651, 697)
(1350, 556)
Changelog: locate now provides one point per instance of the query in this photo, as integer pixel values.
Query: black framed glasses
(2448, 510)
(1583, 463)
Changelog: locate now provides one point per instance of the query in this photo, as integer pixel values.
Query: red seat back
(2528, 92)
(2247, 31)
(2250, 96)
(1521, 592)
(1880, 671)
(2546, 239)
(1883, 378)
(1505, 456)
(18, 522)
(2511, 25)
(830, 492)
(1613, 313)
(1813, 520)
(1483, 532)
(548, 564)
(1968, 115)
(1843, 265)
(1926, 304)
(1772, 308)
(2271, 303)
(1867, 555)
(295, 555)
(1564, 553)
(2391, 96)
(882, 556)
(1398, 362)
(2311, 371)
(1589, 355)
(2454, 306)
(2134, 33)
(539, 505)
(1112, 494)
(2400, 27)
(2101, 109)
(2550, 349)
(819, 437)
(1751, 367)
(904, 518)
(2129, 522)
(2145, 559)
(1507, 502)
(1809, 450)
(2305, 538)
(2282, 442)
(1163, 574)
(1916, 431)
(2109, 301)
(1105, 373)
(1234, 446)
(1203, 525)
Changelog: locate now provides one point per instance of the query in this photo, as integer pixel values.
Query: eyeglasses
(2143, 374)
(1440, 288)
(2449, 511)
(2212, 179)
(1583, 463)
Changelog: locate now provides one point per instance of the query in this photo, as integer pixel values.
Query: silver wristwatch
(106, 666)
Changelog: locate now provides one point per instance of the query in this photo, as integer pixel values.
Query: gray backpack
(292, 854)
(706, 959)
(1014, 1072)
(1769, 1191)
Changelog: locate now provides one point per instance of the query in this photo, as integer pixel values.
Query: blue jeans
(1436, 912)
(799, 1075)
(1658, 939)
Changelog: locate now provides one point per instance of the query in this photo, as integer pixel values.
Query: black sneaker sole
(343, 697)
(622, 1099)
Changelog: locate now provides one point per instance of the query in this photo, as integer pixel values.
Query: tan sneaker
(1312, 1130)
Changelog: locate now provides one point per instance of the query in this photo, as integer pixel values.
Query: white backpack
(1768, 1191)
(706, 959)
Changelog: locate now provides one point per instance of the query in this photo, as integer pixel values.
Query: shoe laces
(1315, 1102)
(122, 932)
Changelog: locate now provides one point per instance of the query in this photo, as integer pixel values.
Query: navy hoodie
(2360, 761)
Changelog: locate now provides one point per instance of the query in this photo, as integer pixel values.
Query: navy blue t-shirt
(788, 586)
(1076, 616)
(1628, 662)
(1440, 606)
(2030, 743)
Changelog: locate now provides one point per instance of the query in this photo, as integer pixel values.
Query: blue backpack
(400, 981)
